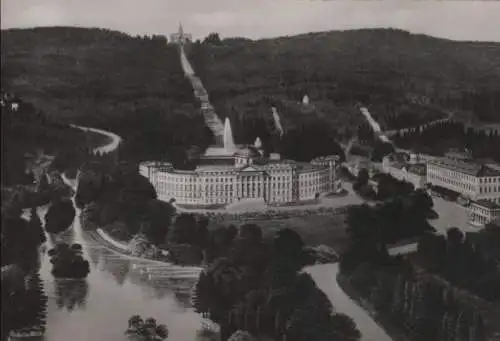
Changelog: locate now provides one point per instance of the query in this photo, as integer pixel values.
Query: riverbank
(121, 249)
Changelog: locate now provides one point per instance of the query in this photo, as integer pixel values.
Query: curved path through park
(325, 277)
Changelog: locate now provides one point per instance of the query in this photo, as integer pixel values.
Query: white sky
(460, 20)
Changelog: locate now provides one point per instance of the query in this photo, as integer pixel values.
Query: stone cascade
(212, 121)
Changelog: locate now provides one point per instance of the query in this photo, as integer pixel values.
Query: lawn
(314, 229)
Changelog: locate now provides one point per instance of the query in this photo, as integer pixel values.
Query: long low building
(472, 180)
(248, 176)
(405, 171)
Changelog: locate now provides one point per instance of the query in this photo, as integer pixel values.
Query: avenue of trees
(464, 260)
(439, 138)
(421, 308)
(418, 293)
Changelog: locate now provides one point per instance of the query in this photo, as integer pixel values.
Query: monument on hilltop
(180, 37)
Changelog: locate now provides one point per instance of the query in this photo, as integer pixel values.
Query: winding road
(115, 140)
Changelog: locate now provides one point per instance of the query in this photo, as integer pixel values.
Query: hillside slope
(133, 86)
(397, 72)
(26, 132)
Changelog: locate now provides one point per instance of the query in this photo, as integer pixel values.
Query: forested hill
(133, 86)
(368, 65)
(26, 131)
(69, 65)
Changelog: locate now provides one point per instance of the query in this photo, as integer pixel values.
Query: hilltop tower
(180, 37)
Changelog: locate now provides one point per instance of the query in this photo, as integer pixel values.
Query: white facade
(415, 157)
(484, 212)
(474, 181)
(248, 178)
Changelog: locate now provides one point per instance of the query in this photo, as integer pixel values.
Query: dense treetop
(388, 57)
(410, 73)
(133, 86)
(61, 69)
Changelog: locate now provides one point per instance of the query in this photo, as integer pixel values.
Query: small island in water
(145, 330)
(68, 261)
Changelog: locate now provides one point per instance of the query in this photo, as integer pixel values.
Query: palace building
(460, 174)
(246, 174)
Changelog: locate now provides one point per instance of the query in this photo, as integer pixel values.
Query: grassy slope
(336, 69)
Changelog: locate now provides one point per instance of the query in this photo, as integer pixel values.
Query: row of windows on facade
(274, 184)
(482, 189)
(442, 179)
(435, 171)
(460, 175)
(307, 184)
(231, 188)
(230, 179)
(482, 218)
(229, 192)
(186, 195)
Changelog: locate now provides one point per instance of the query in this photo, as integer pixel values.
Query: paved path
(375, 126)
(109, 147)
(451, 215)
(424, 125)
(325, 277)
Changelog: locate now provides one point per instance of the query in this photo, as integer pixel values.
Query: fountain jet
(228, 136)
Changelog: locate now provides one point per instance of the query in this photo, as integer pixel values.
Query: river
(118, 286)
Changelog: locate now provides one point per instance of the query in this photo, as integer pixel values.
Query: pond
(98, 308)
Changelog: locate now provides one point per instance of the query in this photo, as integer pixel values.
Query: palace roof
(487, 204)
(470, 168)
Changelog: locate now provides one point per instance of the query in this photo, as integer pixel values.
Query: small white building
(417, 157)
(484, 212)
